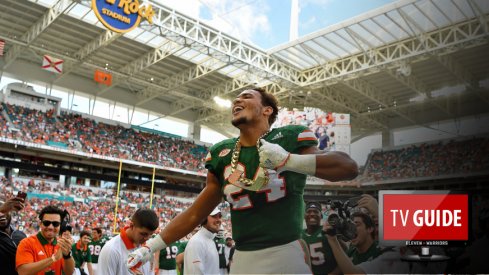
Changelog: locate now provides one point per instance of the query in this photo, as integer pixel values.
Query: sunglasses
(48, 223)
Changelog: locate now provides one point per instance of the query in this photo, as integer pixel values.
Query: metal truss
(377, 95)
(464, 75)
(340, 101)
(35, 30)
(146, 60)
(177, 80)
(417, 86)
(446, 39)
(218, 45)
(89, 49)
(227, 87)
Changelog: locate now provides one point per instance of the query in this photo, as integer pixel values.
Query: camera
(339, 219)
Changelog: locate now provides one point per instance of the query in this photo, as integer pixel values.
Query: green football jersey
(167, 255)
(322, 258)
(80, 256)
(220, 244)
(273, 215)
(95, 248)
(372, 252)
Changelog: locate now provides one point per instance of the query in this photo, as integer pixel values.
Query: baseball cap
(215, 211)
(314, 205)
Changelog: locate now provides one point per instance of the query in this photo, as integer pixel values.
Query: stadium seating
(450, 157)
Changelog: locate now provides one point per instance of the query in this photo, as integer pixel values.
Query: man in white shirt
(112, 258)
(201, 255)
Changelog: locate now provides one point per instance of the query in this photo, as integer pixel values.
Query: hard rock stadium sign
(122, 15)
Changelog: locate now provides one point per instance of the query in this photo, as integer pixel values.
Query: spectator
(44, 253)
(9, 237)
(201, 255)
(113, 257)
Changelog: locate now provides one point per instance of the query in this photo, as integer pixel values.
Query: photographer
(9, 237)
(363, 246)
(388, 262)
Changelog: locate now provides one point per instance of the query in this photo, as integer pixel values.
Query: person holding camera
(44, 253)
(321, 256)
(9, 237)
(363, 246)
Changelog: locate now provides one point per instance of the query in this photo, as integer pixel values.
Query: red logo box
(425, 216)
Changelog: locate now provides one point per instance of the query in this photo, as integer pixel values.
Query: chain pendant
(238, 178)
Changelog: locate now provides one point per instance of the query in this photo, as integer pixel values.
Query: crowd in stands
(75, 132)
(429, 160)
(87, 135)
(91, 209)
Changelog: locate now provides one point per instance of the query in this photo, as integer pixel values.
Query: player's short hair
(85, 233)
(267, 99)
(51, 209)
(98, 229)
(146, 218)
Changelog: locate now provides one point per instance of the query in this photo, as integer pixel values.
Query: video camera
(339, 219)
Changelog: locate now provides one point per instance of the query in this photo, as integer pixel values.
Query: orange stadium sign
(122, 15)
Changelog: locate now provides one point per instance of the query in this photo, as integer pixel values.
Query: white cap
(215, 211)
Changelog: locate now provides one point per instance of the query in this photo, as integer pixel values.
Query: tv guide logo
(425, 217)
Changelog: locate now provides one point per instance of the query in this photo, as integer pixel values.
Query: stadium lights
(226, 103)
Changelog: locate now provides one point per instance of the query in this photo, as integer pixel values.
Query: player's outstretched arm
(332, 166)
(182, 224)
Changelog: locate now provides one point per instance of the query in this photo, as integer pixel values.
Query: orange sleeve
(24, 253)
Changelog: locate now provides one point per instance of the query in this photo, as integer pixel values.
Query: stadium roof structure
(408, 63)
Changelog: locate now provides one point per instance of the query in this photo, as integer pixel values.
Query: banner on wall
(332, 130)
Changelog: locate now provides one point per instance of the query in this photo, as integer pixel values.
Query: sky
(265, 23)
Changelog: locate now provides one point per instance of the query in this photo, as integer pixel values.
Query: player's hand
(272, 156)
(138, 257)
(370, 203)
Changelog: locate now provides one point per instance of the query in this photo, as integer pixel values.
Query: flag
(52, 64)
(103, 77)
(2, 46)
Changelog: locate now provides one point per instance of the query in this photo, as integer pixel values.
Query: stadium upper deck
(408, 63)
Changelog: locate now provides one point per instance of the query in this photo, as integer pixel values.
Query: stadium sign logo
(122, 15)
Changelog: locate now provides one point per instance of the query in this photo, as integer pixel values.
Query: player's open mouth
(237, 109)
(312, 220)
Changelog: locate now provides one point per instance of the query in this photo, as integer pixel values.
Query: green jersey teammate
(95, 246)
(220, 246)
(262, 174)
(166, 258)
(322, 258)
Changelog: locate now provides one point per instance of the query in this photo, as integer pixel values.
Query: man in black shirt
(9, 237)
